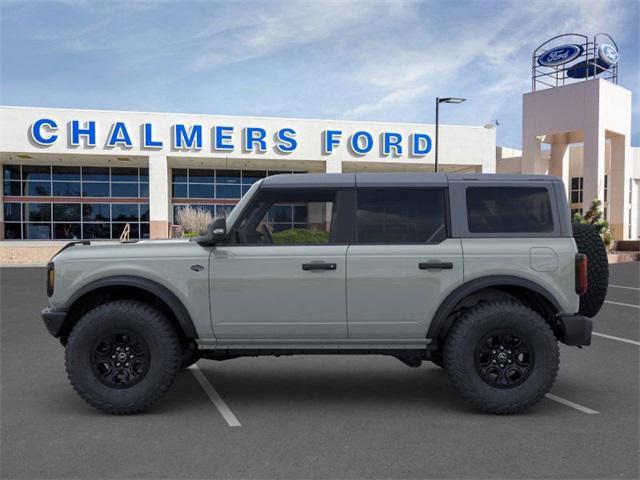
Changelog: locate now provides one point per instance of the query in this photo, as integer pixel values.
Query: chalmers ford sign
(46, 132)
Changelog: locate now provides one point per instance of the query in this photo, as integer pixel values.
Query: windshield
(233, 216)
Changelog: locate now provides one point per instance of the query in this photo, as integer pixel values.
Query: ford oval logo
(560, 55)
(608, 54)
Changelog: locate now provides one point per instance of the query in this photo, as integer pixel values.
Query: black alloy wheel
(121, 359)
(504, 359)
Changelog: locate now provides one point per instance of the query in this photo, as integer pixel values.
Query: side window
(290, 217)
(509, 210)
(401, 216)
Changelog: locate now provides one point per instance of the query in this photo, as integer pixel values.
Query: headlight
(51, 278)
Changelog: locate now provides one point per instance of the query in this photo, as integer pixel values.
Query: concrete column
(159, 196)
(333, 165)
(531, 154)
(559, 161)
(619, 188)
(593, 165)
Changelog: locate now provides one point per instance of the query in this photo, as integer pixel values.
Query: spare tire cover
(589, 242)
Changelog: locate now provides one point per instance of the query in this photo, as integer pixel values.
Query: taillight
(51, 278)
(581, 274)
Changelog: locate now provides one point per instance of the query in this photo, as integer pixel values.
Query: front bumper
(53, 319)
(575, 330)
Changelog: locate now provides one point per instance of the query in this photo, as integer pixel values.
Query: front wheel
(502, 357)
(122, 356)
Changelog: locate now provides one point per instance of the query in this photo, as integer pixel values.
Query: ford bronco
(480, 274)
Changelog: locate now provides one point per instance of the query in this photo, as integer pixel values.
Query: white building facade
(86, 174)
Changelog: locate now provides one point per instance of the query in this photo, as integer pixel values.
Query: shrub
(301, 235)
(595, 217)
(194, 221)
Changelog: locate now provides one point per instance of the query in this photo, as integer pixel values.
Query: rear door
(401, 263)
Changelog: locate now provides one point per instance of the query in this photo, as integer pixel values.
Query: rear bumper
(53, 319)
(575, 329)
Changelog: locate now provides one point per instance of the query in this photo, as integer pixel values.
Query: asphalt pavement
(319, 416)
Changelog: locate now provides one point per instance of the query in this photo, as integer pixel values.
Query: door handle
(435, 265)
(319, 266)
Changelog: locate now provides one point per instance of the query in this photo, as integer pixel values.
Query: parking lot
(317, 416)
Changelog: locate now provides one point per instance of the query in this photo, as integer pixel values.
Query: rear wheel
(502, 357)
(122, 356)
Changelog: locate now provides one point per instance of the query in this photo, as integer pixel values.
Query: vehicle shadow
(349, 385)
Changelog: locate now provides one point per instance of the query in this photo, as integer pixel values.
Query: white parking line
(625, 287)
(571, 404)
(619, 339)
(622, 304)
(222, 407)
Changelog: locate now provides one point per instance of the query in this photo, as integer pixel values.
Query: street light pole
(435, 168)
(438, 102)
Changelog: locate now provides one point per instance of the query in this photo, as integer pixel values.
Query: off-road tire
(590, 243)
(145, 322)
(460, 356)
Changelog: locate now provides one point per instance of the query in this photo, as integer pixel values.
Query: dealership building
(91, 174)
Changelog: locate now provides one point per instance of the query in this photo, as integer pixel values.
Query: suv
(480, 274)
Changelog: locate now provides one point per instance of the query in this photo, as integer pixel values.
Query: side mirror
(216, 232)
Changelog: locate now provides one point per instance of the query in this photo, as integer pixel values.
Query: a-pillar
(559, 161)
(618, 188)
(593, 165)
(158, 196)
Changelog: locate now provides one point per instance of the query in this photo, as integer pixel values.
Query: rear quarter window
(509, 210)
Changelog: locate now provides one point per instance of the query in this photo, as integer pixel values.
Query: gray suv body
(480, 274)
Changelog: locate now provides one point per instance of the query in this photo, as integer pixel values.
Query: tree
(595, 217)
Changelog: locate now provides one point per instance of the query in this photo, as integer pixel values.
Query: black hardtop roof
(392, 179)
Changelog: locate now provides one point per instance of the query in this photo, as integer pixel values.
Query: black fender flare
(447, 306)
(150, 286)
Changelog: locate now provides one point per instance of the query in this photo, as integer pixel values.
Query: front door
(402, 263)
(284, 278)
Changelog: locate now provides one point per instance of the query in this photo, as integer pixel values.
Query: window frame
(460, 224)
(339, 226)
(447, 214)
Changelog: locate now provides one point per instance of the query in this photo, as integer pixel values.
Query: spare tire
(590, 243)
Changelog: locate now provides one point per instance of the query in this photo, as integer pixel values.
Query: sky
(353, 60)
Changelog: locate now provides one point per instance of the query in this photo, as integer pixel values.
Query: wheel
(502, 357)
(589, 242)
(188, 358)
(122, 356)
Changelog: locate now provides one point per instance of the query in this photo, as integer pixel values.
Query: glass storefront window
(73, 218)
(66, 173)
(95, 189)
(96, 212)
(66, 189)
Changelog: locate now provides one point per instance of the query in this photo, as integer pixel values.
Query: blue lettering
(186, 139)
(255, 135)
(391, 140)
(222, 137)
(37, 134)
(421, 144)
(357, 146)
(119, 136)
(330, 140)
(286, 141)
(147, 138)
(89, 131)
